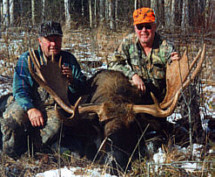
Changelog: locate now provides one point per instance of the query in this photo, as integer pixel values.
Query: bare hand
(136, 80)
(174, 56)
(35, 117)
(67, 72)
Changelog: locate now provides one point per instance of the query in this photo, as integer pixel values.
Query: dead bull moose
(115, 103)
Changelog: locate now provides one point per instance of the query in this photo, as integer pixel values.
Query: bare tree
(5, 18)
(1, 14)
(135, 4)
(95, 13)
(172, 17)
(101, 10)
(82, 7)
(33, 12)
(116, 13)
(90, 13)
(43, 9)
(111, 14)
(67, 13)
(185, 15)
(11, 10)
(160, 13)
(167, 16)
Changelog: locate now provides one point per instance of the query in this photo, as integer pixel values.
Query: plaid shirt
(24, 86)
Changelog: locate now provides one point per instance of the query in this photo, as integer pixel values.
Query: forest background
(105, 22)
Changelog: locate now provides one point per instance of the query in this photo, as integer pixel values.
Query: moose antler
(176, 78)
(48, 75)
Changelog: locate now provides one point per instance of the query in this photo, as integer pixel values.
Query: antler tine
(34, 58)
(196, 58)
(36, 63)
(41, 60)
(155, 109)
(197, 69)
(45, 58)
(60, 61)
(52, 57)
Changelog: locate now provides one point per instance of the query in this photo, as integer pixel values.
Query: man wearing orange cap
(142, 56)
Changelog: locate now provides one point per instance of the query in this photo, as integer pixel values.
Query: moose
(120, 119)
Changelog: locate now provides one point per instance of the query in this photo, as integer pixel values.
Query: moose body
(120, 129)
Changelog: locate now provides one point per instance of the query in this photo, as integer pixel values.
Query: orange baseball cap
(143, 15)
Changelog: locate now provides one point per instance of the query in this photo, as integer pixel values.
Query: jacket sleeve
(22, 83)
(120, 60)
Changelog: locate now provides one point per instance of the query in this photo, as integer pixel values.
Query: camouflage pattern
(151, 68)
(16, 127)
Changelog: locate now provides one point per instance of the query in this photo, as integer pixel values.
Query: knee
(13, 138)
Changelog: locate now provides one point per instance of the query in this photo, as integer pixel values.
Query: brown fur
(114, 90)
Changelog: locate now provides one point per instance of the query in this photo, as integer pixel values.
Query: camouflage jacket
(130, 59)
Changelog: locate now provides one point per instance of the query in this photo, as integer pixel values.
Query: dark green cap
(50, 28)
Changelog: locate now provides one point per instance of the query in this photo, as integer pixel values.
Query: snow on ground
(189, 166)
(74, 172)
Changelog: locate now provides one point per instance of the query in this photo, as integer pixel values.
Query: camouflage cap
(50, 28)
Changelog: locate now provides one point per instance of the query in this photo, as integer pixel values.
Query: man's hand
(35, 117)
(174, 56)
(67, 72)
(136, 80)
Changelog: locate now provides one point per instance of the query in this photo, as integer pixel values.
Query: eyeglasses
(146, 25)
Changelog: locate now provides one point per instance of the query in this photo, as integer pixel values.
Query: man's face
(50, 45)
(145, 32)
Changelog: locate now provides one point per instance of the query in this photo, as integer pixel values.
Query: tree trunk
(11, 10)
(135, 4)
(43, 9)
(90, 13)
(160, 13)
(172, 18)
(167, 12)
(67, 14)
(33, 12)
(1, 16)
(82, 7)
(111, 14)
(101, 11)
(185, 16)
(116, 13)
(107, 10)
(5, 18)
(95, 13)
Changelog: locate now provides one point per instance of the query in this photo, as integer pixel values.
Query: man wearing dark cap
(142, 56)
(32, 111)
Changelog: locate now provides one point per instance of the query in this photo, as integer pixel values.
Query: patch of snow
(174, 117)
(74, 172)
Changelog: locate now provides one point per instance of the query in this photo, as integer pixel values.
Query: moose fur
(121, 128)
